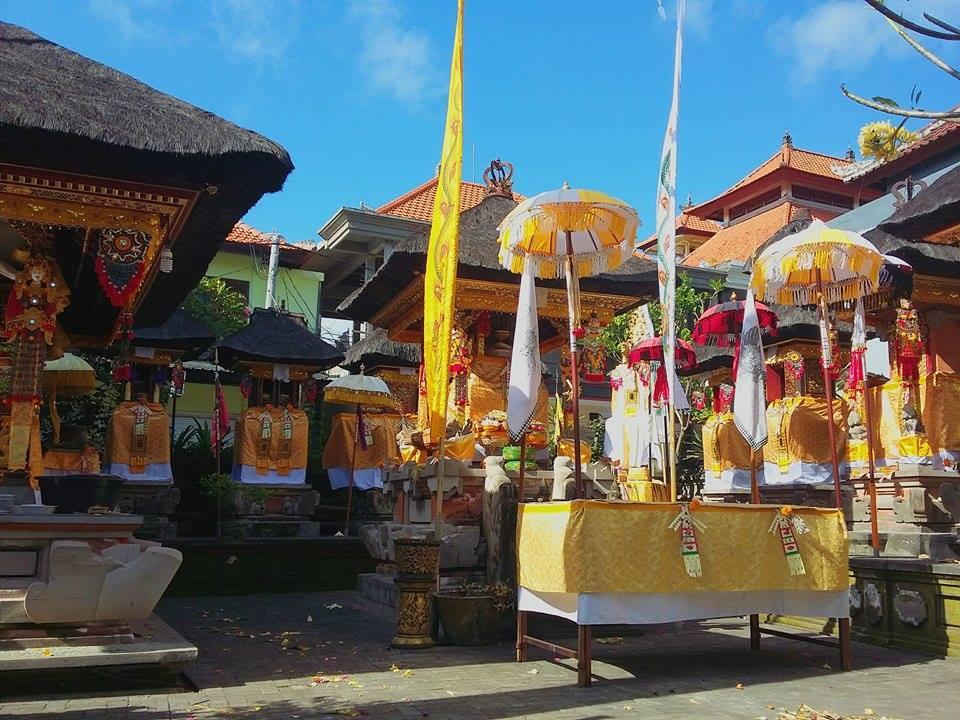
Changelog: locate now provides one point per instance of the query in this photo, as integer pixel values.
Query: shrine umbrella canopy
(720, 325)
(359, 390)
(651, 349)
(819, 266)
(571, 233)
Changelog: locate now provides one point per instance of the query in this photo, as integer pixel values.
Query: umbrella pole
(438, 518)
(871, 478)
(828, 388)
(353, 465)
(754, 488)
(523, 465)
(573, 304)
(672, 445)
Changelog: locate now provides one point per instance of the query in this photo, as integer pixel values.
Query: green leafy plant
(597, 427)
(91, 410)
(218, 306)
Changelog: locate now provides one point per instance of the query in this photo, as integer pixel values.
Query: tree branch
(952, 116)
(901, 20)
(941, 23)
(923, 51)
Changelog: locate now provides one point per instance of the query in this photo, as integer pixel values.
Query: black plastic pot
(467, 620)
(78, 493)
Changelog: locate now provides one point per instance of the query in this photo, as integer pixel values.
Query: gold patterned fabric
(487, 389)
(342, 443)
(588, 546)
(60, 460)
(273, 452)
(120, 435)
(939, 399)
(797, 431)
(723, 446)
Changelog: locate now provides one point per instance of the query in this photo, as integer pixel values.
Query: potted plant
(470, 614)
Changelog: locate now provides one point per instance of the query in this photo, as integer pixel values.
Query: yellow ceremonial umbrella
(67, 376)
(362, 390)
(819, 266)
(569, 233)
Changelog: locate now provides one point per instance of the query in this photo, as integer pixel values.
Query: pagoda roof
(180, 331)
(739, 241)
(277, 336)
(788, 159)
(378, 350)
(478, 260)
(417, 204)
(62, 112)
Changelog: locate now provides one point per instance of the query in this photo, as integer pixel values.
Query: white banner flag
(667, 212)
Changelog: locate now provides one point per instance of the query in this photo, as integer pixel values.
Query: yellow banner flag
(441, 274)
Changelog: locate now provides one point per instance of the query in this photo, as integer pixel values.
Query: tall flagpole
(440, 277)
(667, 249)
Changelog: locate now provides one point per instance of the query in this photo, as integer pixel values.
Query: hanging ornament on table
(310, 390)
(246, 386)
(793, 366)
(364, 430)
(908, 342)
(593, 354)
(37, 297)
(138, 440)
(698, 399)
(178, 378)
(284, 451)
(120, 263)
(833, 370)
(661, 390)
(786, 525)
(689, 547)
(265, 441)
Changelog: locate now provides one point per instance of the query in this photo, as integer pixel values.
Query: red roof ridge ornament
(499, 178)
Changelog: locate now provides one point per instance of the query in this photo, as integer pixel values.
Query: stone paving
(325, 655)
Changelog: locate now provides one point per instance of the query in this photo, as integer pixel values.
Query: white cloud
(842, 36)
(120, 14)
(395, 58)
(259, 30)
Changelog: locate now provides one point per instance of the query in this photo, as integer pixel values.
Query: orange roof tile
(244, 234)
(688, 225)
(739, 241)
(790, 157)
(417, 204)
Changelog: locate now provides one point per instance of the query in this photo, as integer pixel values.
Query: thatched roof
(61, 111)
(276, 336)
(181, 331)
(377, 350)
(933, 209)
(925, 258)
(478, 260)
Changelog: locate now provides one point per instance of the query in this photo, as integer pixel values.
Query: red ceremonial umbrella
(721, 324)
(651, 349)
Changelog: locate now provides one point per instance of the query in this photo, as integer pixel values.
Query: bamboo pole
(353, 467)
(573, 308)
(438, 518)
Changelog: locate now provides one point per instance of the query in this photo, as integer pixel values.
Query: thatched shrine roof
(478, 261)
(62, 112)
(276, 336)
(933, 209)
(925, 258)
(180, 331)
(378, 350)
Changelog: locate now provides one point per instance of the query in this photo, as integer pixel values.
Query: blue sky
(566, 90)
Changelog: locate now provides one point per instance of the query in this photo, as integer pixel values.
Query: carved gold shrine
(402, 315)
(46, 200)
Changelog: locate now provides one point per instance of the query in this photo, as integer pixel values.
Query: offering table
(572, 565)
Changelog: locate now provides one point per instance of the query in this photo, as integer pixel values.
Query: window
(754, 203)
(240, 286)
(824, 197)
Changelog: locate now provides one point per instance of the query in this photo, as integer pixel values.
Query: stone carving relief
(872, 604)
(910, 607)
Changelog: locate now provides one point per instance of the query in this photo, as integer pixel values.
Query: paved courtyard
(325, 655)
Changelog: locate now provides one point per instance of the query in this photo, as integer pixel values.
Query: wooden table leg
(846, 652)
(584, 677)
(754, 632)
(521, 631)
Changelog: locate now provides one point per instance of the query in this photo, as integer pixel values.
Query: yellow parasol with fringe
(569, 233)
(819, 266)
(67, 376)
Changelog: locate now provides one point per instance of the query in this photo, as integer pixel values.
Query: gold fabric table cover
(587, 546)
(342, 442)
(119, 440)
(247, 439)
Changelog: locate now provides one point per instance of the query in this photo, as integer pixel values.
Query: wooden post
(828, 388)
(754, 632)
(438, 517)
(846, 653)
(521, 633)
(573, 310)
(584, 657)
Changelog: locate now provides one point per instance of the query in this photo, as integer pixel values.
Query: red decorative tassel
(855, 380)
(661, 390)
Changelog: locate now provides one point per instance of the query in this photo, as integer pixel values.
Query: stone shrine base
(149, 642)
